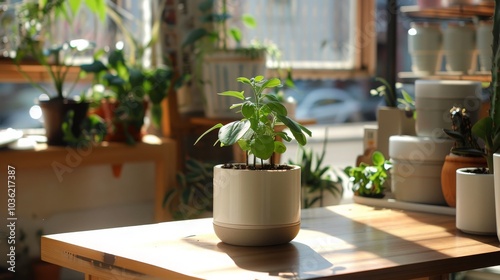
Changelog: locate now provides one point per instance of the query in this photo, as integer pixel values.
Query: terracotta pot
(54, 112)
(448, 174)
(115, 128)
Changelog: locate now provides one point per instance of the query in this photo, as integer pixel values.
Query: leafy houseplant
(317, 181)
(131, 87)
(257, 204)
(35, 19)
(368, 180)
(488, 128)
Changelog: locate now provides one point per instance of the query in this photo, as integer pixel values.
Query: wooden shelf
(160, 151)
(10, 73)
(454, 12)
(479, 77)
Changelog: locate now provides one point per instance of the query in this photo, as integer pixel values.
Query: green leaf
(483, 128)
(236, 34)
(98, 7)
(232, 132)
(263, 146)
(279, 147)
(378, 158)
(237, 94)
(95, 67)
(274, 82)
(194, 36)
(74, 6)
(249, 21)
(248, 110)
(277, 107)
(219, 125)
(244, 80)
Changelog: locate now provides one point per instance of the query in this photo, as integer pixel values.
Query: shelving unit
(458, 12)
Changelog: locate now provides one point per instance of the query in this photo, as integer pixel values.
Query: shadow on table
(287, 260)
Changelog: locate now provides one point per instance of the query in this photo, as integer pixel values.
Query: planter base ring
(262, 236)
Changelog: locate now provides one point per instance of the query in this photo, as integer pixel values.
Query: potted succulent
(219, 56)
(257, 202)
(35, 18)
(466, 152)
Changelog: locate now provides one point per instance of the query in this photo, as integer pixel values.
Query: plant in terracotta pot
(257, 203)
(466, 152)
(131, 88)
(35, 18)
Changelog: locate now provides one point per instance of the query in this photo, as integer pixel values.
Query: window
(317, 38)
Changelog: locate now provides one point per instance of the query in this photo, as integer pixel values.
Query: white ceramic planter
(220, 71)
(416, 172)
(434, 99)
(475, 208)
(484, 40)
(256, 207)
(459, 46)
(424, 46)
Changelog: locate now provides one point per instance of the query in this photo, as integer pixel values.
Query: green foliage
(193, 195)
(93, 130)
(36, 17)
(132, 86)
(461, 131)
(219, 33)
(317, 180)
(255, 133)
(391, 98)
(368, 180)
(488, 128)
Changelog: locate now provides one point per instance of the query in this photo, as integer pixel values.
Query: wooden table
(350, 241)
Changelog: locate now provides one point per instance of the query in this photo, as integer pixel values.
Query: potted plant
(131, 88)
(35, 19)
(219, 56)
(466, 152)
(257, 203)
(367, 180)
(321, 185)
(391, 119)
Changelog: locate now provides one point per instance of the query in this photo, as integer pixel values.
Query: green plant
(193, 195)
(317, 180)
(93, 130)
(215, 33)
(255, 133)
(488, 128)
(461, 131)
(132, 86)
(36, 17)
(368, 180)
(391, 98)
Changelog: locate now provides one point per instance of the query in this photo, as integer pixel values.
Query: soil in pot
(54, 113)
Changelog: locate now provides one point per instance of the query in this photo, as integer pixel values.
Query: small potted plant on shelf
(391, 119)
(216, 45)
(466, 152)
(257, 203)
(130, 90)
(35, 20)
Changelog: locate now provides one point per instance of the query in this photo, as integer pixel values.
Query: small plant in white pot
(257, 203)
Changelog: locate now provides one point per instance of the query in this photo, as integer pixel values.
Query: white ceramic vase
(424, 46)
(256, 207)
(434, 99)
(475, 210)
